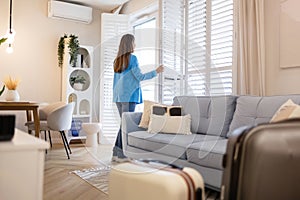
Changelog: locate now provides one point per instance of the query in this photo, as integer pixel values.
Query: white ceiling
(103, 5)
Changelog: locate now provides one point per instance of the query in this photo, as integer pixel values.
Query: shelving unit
(81, 97)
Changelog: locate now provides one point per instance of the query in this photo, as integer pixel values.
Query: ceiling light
(10, 35)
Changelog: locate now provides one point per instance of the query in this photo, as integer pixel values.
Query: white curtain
(250, 47)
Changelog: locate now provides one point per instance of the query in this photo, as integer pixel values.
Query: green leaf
(2, 40)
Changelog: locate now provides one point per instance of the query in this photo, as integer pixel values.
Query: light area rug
(98, 177)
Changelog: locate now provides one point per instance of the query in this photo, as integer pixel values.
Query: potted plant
(77, 82)
(11, 85)
(73, 46)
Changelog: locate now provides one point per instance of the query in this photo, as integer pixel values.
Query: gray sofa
(213, 120)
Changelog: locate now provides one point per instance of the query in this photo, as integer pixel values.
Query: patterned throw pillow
(166, 110)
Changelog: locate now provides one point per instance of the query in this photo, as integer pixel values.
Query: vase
(12, 95)
(78, 86)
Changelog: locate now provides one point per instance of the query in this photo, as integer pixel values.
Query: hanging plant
(61, 50)
(73, 47)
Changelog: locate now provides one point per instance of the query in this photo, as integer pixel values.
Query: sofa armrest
(130, 123)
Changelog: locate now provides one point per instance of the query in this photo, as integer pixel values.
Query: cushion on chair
(43, 126)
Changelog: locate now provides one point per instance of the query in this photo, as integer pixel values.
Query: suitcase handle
(161, 162)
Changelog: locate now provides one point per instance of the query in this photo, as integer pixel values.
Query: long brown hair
(125, 49)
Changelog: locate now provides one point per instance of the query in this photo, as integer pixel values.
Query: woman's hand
(160, 69)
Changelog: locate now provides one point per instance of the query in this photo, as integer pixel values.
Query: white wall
(34, 59)
(278, 80)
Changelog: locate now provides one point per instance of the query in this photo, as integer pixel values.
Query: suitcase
(152, 180)
(263, 163)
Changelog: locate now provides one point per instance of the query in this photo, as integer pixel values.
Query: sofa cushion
(208, 153)
(211, 115)
(168, 144)
(253, 110)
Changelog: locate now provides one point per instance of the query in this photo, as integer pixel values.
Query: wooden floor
(59, 183)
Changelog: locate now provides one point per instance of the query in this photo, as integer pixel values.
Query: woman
(126, 87)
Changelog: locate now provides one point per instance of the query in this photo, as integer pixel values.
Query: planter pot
(78, 86)
(12, 95)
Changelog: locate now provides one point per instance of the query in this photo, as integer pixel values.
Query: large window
(197, 45)
(145, 32)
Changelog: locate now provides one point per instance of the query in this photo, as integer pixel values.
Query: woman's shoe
(116, 159)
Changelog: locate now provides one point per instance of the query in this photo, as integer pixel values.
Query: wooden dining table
(29, 107)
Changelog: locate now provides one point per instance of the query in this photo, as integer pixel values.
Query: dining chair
(44, 111)
(59, 118)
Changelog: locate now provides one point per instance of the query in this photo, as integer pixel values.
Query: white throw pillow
(170, 124)
(288, 110)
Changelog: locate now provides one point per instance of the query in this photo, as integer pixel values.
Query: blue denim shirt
(126, 86)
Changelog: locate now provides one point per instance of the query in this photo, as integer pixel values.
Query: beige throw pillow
(170, 124)
(146, 114)
(288, 110)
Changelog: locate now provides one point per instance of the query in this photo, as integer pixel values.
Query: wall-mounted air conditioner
(69, 11)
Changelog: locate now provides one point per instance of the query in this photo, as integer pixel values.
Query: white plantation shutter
(113, 26)
(221, 46)
(172, 49)
(209, 47)
(196, 48)
(206, 53)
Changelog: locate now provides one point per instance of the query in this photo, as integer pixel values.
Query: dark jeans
(122, 107)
